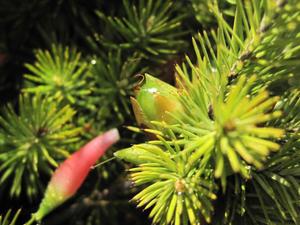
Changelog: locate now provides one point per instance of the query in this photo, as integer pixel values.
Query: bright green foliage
(237, 124)
(273, 193)
(234, 124)
(59, 73)
(133, 154)
(148, 28)
(231, 123)
(6, 220)
(33, 141)
(255, 40)
(175, 193)
(112, 82)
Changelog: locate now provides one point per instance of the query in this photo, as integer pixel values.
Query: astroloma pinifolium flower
(70, 175)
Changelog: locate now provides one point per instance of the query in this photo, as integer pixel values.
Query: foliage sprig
(112, 81)
(59, 73)
(36, 138)
(188, 193)
(149, 28)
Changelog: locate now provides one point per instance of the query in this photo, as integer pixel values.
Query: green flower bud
(132, 155)
(154, 100)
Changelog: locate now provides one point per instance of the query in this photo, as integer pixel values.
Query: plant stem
(31, 221)
(102, 163)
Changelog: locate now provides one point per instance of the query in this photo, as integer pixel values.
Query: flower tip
(112, 135)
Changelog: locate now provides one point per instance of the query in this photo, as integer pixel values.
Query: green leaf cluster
(149, 28)
(59, 73)
(112, 82)
(34, 140)
(166, 170)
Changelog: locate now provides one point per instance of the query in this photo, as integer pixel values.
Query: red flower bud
(70, 175)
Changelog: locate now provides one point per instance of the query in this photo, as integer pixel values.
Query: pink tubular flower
(72, 172)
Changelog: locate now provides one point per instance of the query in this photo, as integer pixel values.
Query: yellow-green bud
(154, 100)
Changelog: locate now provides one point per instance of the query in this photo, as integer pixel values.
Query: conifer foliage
(226, 128)
(213, 140)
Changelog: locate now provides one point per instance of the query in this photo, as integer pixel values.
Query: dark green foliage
(149, 28)
(33, 142)
(272, 196)
(204, 14)
(112, 80)
(290, 105)
(7, 220)
(274, 52)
